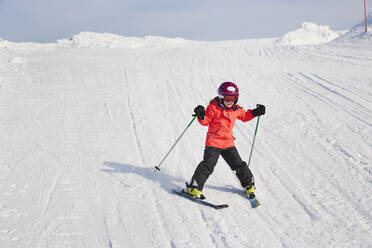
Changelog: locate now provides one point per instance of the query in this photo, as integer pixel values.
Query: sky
(50, 20)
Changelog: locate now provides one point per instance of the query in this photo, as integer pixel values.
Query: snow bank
(107, 40)
(102, 40)
(358, 31)
(4, 44)
(309, 33)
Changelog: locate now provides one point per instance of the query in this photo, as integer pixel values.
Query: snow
(357, 33)
(107, 40)
(309, 33)
(17, 60)
(84, 121)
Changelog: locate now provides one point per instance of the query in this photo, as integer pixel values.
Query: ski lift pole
(178, 139)
(254, 138)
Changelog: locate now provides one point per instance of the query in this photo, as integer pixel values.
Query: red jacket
(221, 122)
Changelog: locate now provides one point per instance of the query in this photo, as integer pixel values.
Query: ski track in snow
(82, 129)
(131, 114)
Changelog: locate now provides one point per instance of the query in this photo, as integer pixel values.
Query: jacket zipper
(213, 134)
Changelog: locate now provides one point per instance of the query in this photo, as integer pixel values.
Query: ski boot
(249, 190)
(193, 192)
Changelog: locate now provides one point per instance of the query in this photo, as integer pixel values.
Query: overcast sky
(49, 20)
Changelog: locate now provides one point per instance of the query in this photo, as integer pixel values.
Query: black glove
(260, 110)
(199, 112)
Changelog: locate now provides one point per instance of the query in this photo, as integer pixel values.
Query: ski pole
(254, 138)
(158, 167)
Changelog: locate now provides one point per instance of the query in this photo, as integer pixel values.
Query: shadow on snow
(166, 181)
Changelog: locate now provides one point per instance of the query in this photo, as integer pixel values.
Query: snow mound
(107, 40)
(309, 33)
(3, 43)
(358, 31)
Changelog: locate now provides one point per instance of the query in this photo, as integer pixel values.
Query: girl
(220, 116)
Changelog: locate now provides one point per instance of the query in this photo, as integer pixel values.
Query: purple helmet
(228, 89)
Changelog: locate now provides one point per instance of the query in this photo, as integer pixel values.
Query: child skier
(220, 116)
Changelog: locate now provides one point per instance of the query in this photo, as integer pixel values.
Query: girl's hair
(213, 100)
(216, 100)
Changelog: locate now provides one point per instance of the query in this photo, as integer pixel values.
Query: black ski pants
(232, 158)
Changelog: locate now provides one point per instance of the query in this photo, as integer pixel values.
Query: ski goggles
(229, 98)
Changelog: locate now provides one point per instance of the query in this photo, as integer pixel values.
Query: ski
(203, 202)
(254, 202)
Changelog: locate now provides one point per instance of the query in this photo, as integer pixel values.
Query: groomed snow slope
(83, 127)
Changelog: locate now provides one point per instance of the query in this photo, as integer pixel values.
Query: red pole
(365, 14)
